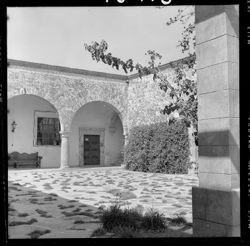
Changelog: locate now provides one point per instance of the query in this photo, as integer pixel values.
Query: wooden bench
(17, 159)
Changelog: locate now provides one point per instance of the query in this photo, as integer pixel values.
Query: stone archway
(37, 128)
(68, 89)
(100, 119)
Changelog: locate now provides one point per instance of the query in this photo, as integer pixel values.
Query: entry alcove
(96, 137)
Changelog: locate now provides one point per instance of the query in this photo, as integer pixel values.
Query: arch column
(125, 135)
(65, 134)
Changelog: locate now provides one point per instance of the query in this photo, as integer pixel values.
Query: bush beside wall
(159, 148)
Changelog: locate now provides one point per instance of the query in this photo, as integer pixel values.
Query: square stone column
(216, 202)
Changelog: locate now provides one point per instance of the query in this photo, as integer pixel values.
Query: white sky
(56, 35)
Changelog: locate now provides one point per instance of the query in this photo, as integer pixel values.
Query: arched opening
(96, 137)
(34, 126)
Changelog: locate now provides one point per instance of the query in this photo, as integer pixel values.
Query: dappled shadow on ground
(34, 214)
(57, 197)
(170, 194)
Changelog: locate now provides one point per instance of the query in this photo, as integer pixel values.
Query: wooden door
(91, 150)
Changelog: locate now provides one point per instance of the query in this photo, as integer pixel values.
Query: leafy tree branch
(183, 90)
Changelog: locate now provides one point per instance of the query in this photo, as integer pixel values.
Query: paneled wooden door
(91, 150)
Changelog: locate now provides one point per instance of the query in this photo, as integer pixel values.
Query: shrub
(124, 222)
(159, 148)
(114, 217)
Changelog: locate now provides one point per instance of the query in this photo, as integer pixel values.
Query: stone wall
(145, 102)
(146, 99)
(136, 101)
(68, 90)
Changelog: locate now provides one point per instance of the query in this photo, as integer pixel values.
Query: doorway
(91, 146)
(91, 150)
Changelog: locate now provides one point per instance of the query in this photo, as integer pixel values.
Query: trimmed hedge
(159, 148)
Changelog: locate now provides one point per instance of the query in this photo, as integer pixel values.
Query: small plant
(178, 220)
(115, 217)
(153, 220)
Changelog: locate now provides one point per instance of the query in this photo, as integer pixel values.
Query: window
(47, 129)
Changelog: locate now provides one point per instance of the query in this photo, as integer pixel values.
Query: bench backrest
(23, 156)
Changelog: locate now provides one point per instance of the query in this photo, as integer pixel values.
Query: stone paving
(65, 203)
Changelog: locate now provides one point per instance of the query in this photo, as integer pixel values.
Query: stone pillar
(216, 202)
(64, 149)
(125, 135)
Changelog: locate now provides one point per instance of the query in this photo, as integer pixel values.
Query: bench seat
(16, 159)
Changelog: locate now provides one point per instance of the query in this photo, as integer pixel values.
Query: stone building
(67, 93)
(75, 117)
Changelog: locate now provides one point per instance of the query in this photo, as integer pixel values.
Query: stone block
(218, 50)
(234, 105)
(233, 49)
(218, 104)
(213, 105)
(220, 131)
(218, 77)
(235, 159)
(219, 180)
(236, 206)
(211, 28)
(235, 181)
(202, 228)
(234, 136)
(214, 131)
(215, 180)
(214, 159)
(199, 197)
(217, 206)
(212, 52)
(233, 76)
(212, 78)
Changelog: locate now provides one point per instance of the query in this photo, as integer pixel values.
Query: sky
(56, 35)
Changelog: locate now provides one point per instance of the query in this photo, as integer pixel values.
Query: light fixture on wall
(13, 124)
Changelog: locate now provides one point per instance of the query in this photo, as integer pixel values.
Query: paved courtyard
(65, 203)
